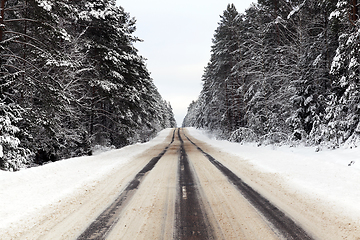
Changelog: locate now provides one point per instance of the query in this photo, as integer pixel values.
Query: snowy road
(178, 187)
(180, 194)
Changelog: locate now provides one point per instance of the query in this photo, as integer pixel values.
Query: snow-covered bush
(242, 135)
(12, 155)
(274, 138)
(99, 149)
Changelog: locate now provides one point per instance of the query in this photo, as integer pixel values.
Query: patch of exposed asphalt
(191, 218)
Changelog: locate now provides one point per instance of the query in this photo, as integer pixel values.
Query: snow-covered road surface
(60, 200)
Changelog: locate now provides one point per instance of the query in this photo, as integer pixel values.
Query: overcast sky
(177, 41)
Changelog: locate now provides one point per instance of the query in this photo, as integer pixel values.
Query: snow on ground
(324, 175)
(26, 192)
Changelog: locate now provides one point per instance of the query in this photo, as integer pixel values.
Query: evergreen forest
(283, 72)
(72, 80)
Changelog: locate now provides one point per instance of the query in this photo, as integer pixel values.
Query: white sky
(177, 41)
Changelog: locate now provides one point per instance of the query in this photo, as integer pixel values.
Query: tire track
(191, 218)
(280, 222)
(103, 224)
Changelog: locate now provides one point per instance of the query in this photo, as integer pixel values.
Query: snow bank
(26, 192)
(332, 176)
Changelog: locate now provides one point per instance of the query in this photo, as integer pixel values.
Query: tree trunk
(2, 19)
(354, 11)
(277, 25)
(25, 40)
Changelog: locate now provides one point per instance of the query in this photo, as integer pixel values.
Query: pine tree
(219, 85)
(70, 79)
(264, 69)
(23, 60)
(314, 44)
(283, 89)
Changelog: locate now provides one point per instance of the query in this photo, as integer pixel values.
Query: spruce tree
(343, 110)
(219, 85)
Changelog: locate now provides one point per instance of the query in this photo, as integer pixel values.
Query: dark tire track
(103, 224)
(191, 218)
(281, 223)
